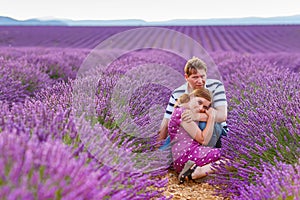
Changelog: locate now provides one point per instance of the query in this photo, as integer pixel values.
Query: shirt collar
(187, 85)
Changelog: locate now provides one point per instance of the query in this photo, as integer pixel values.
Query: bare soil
(189, 190)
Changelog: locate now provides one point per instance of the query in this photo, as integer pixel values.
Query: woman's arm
(193, 130)
(209, 129)
(189, 116)
(221, 115)
(203, 137)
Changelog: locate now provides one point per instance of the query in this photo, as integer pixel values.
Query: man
(196, 77)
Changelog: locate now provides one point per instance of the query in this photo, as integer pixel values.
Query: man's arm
(219, 100)
(163, 130)
(221, 114)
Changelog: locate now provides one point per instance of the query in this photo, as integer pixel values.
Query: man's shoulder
(213, 83)
(180, 90)
(210, 81)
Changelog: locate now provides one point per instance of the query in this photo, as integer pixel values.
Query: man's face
(196, 80)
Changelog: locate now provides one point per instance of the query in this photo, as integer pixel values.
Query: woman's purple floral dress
(185, 148)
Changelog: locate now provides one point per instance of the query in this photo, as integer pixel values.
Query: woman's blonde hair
(202, 92)
(184, 98)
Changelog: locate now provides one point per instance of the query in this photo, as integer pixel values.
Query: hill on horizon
(295, 19)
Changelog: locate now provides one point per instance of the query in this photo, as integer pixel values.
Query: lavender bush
(24, 72)
(263, 119)
(277, 182)
(34, 170)
(134, 86)
(44, 144)
(35, 125)
(245, 39)
(45, 121)
(20, 80)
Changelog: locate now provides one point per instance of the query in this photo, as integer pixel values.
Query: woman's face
(199, 104)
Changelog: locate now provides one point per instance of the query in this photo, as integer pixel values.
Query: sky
(148, 10)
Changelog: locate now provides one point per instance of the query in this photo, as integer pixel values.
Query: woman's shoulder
(176, 117)
(178, 111)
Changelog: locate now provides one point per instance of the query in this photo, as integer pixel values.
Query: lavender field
(80, 108)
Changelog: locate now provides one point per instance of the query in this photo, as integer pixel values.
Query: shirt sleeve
(219, 96)
(170, 107)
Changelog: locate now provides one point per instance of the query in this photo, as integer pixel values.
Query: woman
(189, 141)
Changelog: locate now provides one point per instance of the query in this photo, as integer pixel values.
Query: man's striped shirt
(215, 86)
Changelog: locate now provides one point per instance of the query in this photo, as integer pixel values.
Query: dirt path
(189, 190)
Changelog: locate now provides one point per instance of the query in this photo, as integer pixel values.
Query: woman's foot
(186, 173)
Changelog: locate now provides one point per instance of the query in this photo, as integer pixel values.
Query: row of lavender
(272, 38)
(44, 151)
(39, 130)
(264, 139)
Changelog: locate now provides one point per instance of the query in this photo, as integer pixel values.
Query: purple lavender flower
(263, 117)
(46, 152)
(41, 170)
(277, 182)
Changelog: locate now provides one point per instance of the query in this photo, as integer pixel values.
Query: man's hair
(194, 64)
(202, 92)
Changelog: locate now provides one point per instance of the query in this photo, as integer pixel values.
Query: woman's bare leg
(199, 172)
(203, 171)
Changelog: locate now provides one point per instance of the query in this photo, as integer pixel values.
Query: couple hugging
(195, 119)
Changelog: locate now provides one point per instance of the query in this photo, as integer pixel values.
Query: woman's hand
(187, 116)
(211, 113)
